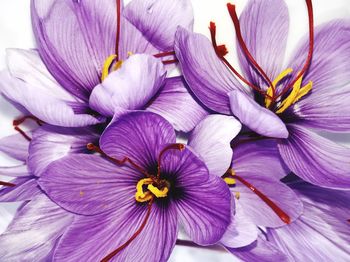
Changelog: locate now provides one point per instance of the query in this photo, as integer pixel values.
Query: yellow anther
(157, 192)
(275, 82)
(238, 195)
(144, 197)
(107, 64)
(139, 186)
(118, 65)
(304, 91)
(230, 180)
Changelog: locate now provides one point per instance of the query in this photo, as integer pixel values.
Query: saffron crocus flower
(282, 102)
(133, 196)
(90, 45)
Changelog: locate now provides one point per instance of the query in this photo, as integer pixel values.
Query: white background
(15, 31)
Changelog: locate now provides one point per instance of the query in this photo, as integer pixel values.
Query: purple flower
(101, 59)
(281, 103)
(130, 200)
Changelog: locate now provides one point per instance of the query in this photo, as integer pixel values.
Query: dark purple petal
(139, 136)
(50, 143)
(206, 75)
(26, 189)
(211, 140)
(158, 19)
(327, 105)
(322, 233)
(89, 184)
(241, 231)
(177, 105)
(74, 39)
(261, 250)
(34, 231)
(261, 158)
(91, 238)
(129, 88)
(15, 146)
(256, 117)
(316, 159)
(265, 27)
(203, 201)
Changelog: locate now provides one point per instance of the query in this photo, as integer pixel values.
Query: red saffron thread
(2, 183)
(19, 121)
(118, 29)
(18, 129)
(232, 11)
(311, 47)
(167, 62)
(164, 54)
(115, 252)
(282, 215)
(169, 147)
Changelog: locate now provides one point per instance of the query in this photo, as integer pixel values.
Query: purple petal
(177, 105)
(50, 143)
(203, 201)
(74, 39)
(159, 19)
(130, 87)
(34, 232)
(241, 231)
(260, 158)
(138, 135)
(14, 171)
(89, 184)
(265, 26)
(91, 238)
(257, 209)
(26, 189)
(211, 140)
(316, 159)
(327, 105)
(15, 146)
(256, 117)
(322, 233)
(206, 75)
(261, 250)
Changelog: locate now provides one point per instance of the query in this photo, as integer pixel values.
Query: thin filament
(311, 47)
(115, 252)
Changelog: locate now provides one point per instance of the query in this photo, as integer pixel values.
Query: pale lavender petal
(50, 143)
(177, 105)
(34, 232)
(257, 209)
(130, 87)
(265, 27)
(139, 136)
(203, 201)
(241, 231)
(159, 19)
(260, 158)
(14, 171)
(26, 189)
(74, 39)
(261, 250)
(256, 117)
(15, 146)
(211, 139)
(91, 238)
(89, 184)
(206, 75)
(315, 158)
(327, 105)
(322, 233)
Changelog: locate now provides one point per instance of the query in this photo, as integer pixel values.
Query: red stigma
(21, 120)
(279, 212)
(118, 28)
(169, 147)
(139, 230)
(2, 183)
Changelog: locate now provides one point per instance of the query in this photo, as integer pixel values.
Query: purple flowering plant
(124, 162)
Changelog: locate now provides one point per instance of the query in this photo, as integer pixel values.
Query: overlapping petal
(25, 189)
(15, 146)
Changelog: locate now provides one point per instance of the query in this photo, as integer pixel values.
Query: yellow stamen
(304, 91)
(157, 192)
(118, 65)
(230, 180)
(275, 82)
(107, 64)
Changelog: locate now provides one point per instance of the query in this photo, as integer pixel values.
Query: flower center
(154, 188)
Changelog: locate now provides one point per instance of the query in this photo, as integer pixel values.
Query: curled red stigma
(221, 51)
(232, 11)
(139, 230)
(118, 28)
(2, 183)
(169, 147)
(311, 47)
(282, 215)
(97, 149)
(19, 121)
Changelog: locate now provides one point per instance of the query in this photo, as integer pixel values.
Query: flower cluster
(124, 157)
